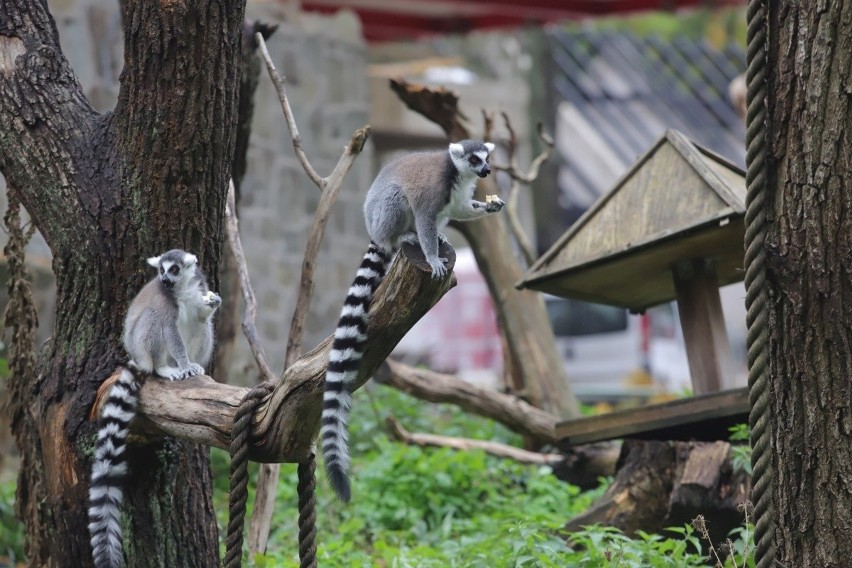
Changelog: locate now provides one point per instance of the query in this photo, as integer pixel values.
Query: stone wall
(324, 60)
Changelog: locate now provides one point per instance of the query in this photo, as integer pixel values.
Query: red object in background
(383, 20)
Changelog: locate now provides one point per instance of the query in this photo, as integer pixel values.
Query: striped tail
(344, 360)
(109, 470)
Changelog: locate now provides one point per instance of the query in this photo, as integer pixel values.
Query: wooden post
(704, 333)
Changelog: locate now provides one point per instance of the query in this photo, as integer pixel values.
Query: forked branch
(526, 178)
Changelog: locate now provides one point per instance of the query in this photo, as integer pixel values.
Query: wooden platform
(704, 417)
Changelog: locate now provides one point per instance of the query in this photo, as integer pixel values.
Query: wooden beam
(699, 417)
(703, 324)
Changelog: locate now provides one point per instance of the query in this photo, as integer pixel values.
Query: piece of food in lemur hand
(410, 201)
(168, 331)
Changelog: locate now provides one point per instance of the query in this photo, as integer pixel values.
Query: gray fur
(411, 200)
(169, 325)
(416, 195)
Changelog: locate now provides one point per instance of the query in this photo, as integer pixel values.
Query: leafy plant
(740, 453)
(11, 530)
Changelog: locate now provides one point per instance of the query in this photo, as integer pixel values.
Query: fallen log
(663, 484)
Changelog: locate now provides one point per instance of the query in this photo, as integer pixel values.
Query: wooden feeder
(671, 228)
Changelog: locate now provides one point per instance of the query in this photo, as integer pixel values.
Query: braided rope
(239, 473)
(307, 512)
(757, 304)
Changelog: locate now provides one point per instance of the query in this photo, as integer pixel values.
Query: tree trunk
(107, 191)
(809, 250)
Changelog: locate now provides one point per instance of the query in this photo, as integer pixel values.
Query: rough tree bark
(106, 191)
(809, 248)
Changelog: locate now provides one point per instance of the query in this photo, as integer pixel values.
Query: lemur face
(176, 268)
(471, 156)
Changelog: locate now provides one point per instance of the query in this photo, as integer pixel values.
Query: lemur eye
(174, 269)
(475, 161)
(162, 270)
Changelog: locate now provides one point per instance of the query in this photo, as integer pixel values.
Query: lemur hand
(211, 299)
(493, 204)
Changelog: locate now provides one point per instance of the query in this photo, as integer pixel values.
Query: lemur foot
(438, 268)
(175, 374)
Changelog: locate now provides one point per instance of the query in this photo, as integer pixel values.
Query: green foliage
(717, 26)
(436, 507)
(11, 530)
(740, 453)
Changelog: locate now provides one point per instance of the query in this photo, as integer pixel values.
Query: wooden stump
(663, 484)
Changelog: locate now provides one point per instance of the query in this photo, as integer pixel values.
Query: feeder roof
(678, 202)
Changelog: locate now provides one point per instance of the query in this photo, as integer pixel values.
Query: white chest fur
(191, 322)
(460, 197)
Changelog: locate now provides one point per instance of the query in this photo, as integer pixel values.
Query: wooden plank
(703, 324)
(669, 420)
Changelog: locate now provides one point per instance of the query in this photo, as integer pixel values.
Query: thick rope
(307, 512)
(757, 298)
(239, 473)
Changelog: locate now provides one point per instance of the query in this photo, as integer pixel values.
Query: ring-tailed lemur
(411, 200)
(168, 331)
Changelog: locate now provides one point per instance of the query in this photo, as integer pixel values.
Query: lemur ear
(189, 259)
(154, 261)
(456, 150)
(489, 146)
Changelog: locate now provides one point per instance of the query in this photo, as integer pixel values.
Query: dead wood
(517, 415)
(663, 484)
(330, 187)
(466, 444)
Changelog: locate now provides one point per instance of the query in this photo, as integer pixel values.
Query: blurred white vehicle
(611, 354)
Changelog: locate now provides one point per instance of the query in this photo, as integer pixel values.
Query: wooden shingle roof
(680, 201)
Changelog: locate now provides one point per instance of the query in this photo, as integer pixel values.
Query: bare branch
(278, 81)
(465, 444)
(516, 414)
(202, 411)
(487, 125)
(249, 317)
(332, 185)
(512, 168)
(523, 240)
(267, 480)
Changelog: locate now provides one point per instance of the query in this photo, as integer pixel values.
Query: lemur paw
(172, 373)
(211, 299)
(438, 268)
(193, 369)
(494, 204)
